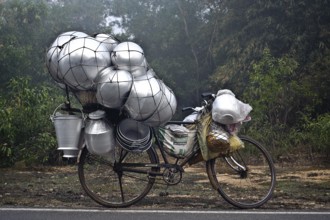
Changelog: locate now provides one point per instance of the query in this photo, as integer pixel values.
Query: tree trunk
(186, 29)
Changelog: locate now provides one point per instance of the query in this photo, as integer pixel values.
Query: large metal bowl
(127, 56)
(81, 60)
(107, 40)
(165, 110)
(113, 87)
(54, 50)
(139, 71)
(144, 98)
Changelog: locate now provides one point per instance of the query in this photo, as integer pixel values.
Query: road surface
(129, 214)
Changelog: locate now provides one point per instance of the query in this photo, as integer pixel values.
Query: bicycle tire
(246, 178)
(116, 189)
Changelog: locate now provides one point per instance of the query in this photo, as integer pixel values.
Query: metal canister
(99, 134)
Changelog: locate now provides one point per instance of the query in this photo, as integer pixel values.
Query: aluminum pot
(165, 110)
(109, 41)
(139, 71)
(81, 60)
(99, 135)
(144, 98)
(113, 87)
(54, 50)
(127, 56)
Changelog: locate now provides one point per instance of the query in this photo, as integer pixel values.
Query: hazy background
(273, 55)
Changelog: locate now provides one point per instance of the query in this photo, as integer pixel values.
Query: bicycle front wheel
(246, 177)
(106, 183)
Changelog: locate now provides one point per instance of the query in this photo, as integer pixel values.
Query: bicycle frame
(143, 168)
(131, 167)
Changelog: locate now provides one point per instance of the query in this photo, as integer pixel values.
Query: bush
(280, 103)
(278, 139)
(26, 132)
(318, 133)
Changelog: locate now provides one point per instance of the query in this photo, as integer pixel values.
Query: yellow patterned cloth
(210, 152)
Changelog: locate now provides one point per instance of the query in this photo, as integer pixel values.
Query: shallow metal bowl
(133, 130)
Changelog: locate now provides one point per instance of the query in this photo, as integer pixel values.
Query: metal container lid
(97, 114)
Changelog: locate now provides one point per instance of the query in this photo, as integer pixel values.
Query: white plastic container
(227, 109)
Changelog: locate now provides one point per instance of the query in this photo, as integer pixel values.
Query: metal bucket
(70, 153)
(68, 129)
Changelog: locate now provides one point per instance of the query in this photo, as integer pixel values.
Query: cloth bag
(178, 140)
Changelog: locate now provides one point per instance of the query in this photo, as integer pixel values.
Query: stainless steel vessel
(99, 134)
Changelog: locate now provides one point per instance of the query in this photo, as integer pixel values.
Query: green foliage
(20, 53)
(273, 89)
(176, 40)
(26, 131)
(281, 100)
(318, 133)
(27, 29)
(274, 55)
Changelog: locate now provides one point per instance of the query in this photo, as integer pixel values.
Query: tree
(175, 39)
(245, 28)
(19, 54)
(26, 132)
(273, 90)
(27, 29)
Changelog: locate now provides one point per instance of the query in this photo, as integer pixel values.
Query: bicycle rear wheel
(106, 183)
(245, 178)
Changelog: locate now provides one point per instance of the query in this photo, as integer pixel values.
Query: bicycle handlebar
(208, 98)
(187, 108)
(208, 95)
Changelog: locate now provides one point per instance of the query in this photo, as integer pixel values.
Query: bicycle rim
(112, 188)
(246, 178)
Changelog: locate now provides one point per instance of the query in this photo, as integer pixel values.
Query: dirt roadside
(298, 188)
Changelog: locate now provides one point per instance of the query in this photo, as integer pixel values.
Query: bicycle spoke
(246, 178)
(121, 187)
(110, 186)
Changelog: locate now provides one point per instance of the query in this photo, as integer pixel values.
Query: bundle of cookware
(102, 70)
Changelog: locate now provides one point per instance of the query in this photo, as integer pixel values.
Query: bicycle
(245, 178)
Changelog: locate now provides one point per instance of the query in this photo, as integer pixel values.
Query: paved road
(82, 214)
